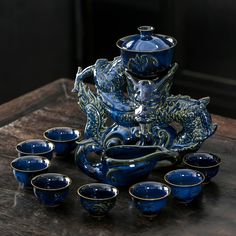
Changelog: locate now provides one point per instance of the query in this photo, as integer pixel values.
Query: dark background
(43, 40)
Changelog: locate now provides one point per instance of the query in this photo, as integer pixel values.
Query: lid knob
(146, 32)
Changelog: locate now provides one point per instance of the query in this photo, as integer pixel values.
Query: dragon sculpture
(143, 111)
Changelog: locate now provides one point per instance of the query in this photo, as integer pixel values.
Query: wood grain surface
(213, 213)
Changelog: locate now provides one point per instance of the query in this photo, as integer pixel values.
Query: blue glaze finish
(147, 65)
(97, 198)
(36, 147)
(149, 107)
(186, 184)
(207, 163)
(147, 54)
(121, 165)
(27, 167)
(146, 41)
(51, 189)
(64, 139)
(142, 108)
(149, 197)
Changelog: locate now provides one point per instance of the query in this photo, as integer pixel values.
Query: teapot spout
(168, 155)
(162, 154)
(139, 155)
(127, 164)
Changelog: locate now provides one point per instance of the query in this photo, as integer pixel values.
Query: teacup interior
(62, 134)
(51, 181)
(150, 190)
(184, 177)
(28, 163)
(202, 160)
(35, 146)
(98, 191)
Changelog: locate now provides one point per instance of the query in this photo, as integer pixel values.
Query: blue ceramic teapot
(143, 116)
(121, 165)
(147, 54)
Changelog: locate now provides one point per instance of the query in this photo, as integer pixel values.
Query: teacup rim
(61, 141)
(186, 185)
(54, 189)
(37, 153)
(150, 199)
(201, 167)
(119, 41)
(30, 171)
(97, 199)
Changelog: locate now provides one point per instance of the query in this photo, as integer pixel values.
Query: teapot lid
(146, 41)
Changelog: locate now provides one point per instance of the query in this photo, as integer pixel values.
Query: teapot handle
(81, 76)
(84, 149)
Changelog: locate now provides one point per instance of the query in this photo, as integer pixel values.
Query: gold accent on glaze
(184, 186)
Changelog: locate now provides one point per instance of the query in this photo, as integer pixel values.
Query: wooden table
(214, 212)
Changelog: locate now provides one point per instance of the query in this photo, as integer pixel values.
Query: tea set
(148, 125)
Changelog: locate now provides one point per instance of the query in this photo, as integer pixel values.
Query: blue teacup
(37, 147)
(147, 54)
(186, 184)
(64, 139)
(207, 163)
(27, 167)
(51, 189)
(98, 198)
(149, 197)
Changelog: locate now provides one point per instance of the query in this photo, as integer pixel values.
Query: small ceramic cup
(98, 198)
(64, 139)
(186, 184)
(51, 189)
(207, 163)
(37, 147)
(27, 167)
(149, 197)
